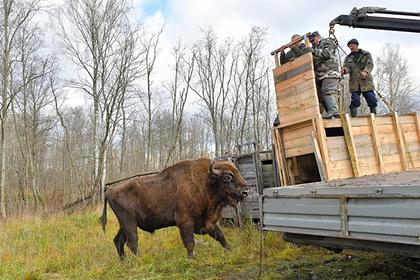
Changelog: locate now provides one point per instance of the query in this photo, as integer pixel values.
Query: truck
(345, 182)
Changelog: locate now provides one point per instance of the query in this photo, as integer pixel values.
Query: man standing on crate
(327, 73)
(359, 65)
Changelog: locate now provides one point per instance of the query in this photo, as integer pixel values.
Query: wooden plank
(338, 154)
(417, 119)
(297, 126)
(385, 129)
(350, 145)
(360, 121)
(318, 157)
(293, 64)
(295, 106)
(297, 89)
(307, 114)
(337, 142)
(281, 170)
(297, 101)
(367, 168)
(308, 75)
(298, 151)
(390, 149)
(294, 134)
(407, 119)
(384, 120)
(401, 142)
(293, 72)
(290, 176)
(298, 142)
(360, 130)
(323, 146)
(377, 144)
(341, 169)
(333, 123)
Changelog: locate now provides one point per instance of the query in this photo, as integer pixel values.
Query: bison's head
(230, 186)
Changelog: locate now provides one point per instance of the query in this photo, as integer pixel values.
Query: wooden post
(400, 139)
(417, 121)
(350, 144)
(376, 144)
(276, 59)
(318, 158)
(322, 137)
(282, 173)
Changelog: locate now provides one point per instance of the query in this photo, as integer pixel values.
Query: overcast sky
(234, 18)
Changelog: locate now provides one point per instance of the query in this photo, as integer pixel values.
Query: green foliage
(74, 247)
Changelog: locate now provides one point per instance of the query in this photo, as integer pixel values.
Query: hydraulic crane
(362, 18)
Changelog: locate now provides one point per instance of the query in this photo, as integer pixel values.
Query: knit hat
(353, 41)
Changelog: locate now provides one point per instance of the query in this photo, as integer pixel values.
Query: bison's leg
(119, 241)
(217, 234)
(132, 237)
(187, 236)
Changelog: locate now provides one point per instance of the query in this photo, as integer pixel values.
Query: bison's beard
(234, 199)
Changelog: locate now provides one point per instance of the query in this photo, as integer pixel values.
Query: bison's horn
(214, 171)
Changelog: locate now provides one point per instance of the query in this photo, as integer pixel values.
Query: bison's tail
(102, 219)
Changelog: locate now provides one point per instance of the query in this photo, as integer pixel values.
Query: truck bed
(377, 212)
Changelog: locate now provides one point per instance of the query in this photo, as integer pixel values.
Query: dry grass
(74, 247)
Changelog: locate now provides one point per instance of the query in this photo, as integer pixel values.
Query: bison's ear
(213, 171)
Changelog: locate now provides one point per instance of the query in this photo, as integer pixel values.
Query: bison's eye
(227, 178)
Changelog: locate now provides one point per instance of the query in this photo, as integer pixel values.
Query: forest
(85, 99)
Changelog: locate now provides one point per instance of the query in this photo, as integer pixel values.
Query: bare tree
(214, 73)
(150, 45)
(101, 41)
(393, 80)
(178, 89)
(14, 14)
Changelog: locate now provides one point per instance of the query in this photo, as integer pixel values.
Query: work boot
(372, 110)
(353, 112)
(331, 107)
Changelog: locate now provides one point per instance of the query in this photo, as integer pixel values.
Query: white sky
(234, 18)
(185, 18)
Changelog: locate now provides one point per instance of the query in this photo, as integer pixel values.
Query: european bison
(189, 194)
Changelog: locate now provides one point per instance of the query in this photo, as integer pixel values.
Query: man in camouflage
(359, 65)
(327, 73)
(295, 51)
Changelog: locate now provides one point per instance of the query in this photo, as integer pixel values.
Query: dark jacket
(357, 63)
(294, 52)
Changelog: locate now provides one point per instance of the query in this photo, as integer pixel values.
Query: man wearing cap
(295, 51)
(327, 72)
(359, 65)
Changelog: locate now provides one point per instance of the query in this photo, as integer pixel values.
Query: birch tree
(14, 14)
(101, 41)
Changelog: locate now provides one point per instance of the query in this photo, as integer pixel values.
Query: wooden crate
(340, 148)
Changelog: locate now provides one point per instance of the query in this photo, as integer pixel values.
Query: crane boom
(359, 18)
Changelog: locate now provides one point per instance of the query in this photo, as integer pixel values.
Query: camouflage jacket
(355, 64)
(326, 60)
(293, 53)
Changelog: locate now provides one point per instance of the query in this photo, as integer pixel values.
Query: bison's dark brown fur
(190, 195)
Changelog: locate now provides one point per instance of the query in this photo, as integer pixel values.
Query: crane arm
(361, 18)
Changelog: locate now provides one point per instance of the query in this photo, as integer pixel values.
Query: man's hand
(344, 70)
(309, 49)
(364, 74)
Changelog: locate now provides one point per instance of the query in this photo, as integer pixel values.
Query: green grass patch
(74, 247)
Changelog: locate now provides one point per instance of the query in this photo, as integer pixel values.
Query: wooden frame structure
(339, 148)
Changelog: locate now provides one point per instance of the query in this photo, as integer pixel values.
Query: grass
(74, 247)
